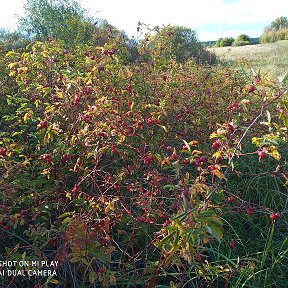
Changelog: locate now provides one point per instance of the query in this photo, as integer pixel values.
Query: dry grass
(269, 58)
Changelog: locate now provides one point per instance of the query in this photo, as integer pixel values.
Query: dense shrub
(180, 43)
(222, 42)
(242, 37)
(273, 35)
(277, 30)
(242, 40)
(136, 175)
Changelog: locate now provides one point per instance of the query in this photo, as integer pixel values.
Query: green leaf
(167, 238)
(92, 277)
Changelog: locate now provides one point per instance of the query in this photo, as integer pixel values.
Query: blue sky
(210, 18)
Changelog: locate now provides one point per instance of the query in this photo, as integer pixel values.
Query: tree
(65, 20)
(12, 40)
(277, 30)
(279, 23)
(242, 37)
(182, 44)
(242, 40)
(222, 42)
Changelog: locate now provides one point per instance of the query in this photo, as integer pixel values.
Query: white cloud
(9, 12)
(195, 14)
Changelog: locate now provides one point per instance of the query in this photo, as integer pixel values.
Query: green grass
(270, 58)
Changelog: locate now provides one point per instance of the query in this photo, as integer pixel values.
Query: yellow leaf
(37, 103)
(193, 143)
(219, 174)
(59, 94)
(165, 161)
(213, 135)
(27, 116)
(10, 53)
(275, 154)
(217, 155)
(54, 281)
(11, 65)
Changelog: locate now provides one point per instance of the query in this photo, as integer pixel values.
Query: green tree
(279, 23)
(277, 30)
(182, 44)
(65, 20)
(222, 42)
(242, 40)
(242, 37)
(12, 40)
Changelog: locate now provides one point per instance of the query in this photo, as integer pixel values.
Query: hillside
(270, 58)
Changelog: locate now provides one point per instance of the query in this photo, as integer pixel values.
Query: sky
(211, 19)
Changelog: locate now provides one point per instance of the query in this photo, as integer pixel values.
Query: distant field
(270, 58)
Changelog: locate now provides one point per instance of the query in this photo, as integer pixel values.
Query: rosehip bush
(122, 172)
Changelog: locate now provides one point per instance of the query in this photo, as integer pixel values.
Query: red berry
(261, 154)
(169, 148)
(174, 156)
(2, 151)
(76, 100)
(86, 118)
(42, 124)
(165, 223)
(52, 242)
(23, 212)
(150, 121)
(200, 208)
(67, 157)
(215, 145)
(186, 161)
(272, 216)
(277, 215)
(5, 228)
(101, 269)
(232, 244)
(230, 199)
(232, 106)
(251, 88)
(249, 211)
(212, 167)
(76, 188)
(230, 127)
(202, 159)
(197, 162)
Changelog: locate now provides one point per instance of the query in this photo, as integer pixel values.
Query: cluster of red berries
(274, 216)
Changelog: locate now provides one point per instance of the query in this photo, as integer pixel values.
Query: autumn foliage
(122, 172)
